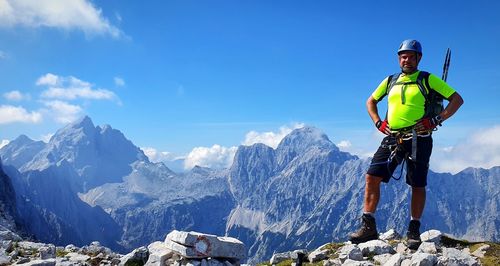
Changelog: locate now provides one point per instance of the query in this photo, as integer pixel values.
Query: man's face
(408, 61)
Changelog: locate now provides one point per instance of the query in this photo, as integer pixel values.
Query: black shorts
(416, 171)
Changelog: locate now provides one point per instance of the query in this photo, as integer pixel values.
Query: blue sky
(198, 78)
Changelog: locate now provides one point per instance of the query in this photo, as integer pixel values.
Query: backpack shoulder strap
(423, 83)
(391, 80)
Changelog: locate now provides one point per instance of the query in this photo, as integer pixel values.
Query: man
(409, 138)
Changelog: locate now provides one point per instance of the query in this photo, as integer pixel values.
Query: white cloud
(214, 157)
(119, 82)
(71, 88)
(222, 157)
(158, 156)
(48, 79)
(481, 149)
(11, 114)
(362, 151)
(2, 53)
(4, 142)
(74, 93)
(270, 139)
(16, 96)
(64, 112)
(68, 15)
(344, 144)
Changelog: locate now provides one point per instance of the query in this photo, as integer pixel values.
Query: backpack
(433, 100)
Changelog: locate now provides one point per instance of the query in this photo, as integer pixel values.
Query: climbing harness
(395, 144)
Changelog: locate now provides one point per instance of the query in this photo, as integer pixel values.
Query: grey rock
(22, 260)
(391, 234)
(4, 259)
(204, 262)
(49, 262)
(453, 256)
(28, 245)
(406, 262)
(318, 254)
(381, 259)
(138, 255)
(193, 263)
(14, 253)
(159, 253)
(402, 248)
(95, 248)
(350, 262)
(376, 247)
(6, 245)
(466, 251)
(199, 245)
(76, 257)
(47, 252)
(351, 251)
(431, 236)
(395, 260)
(427, 247)
(423, 259)
(332, 262)
(9, 235)
(71, 248)
(279, 257)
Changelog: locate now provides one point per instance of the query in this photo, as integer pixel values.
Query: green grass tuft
(61, 253)
(492, 255)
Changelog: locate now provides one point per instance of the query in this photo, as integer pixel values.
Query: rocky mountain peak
(84, 122)
(75, 132)
(200, 170)
(305, 138)
(22, 140)
(20, 151)
(301, 141)
(95, 154)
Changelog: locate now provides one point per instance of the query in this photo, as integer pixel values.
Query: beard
(408, 70)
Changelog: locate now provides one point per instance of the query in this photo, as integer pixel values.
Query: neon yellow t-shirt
(406, 104)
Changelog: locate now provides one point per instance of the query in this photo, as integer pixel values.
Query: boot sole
(362, 240)
(413, 244)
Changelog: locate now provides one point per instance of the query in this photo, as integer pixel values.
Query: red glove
(427, 124)
(383, 127)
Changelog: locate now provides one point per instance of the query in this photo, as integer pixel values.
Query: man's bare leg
(418, 195)
(372, 193)
(368, 230)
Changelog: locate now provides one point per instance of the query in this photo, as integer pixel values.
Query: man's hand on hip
(428, 123)
(383, 126)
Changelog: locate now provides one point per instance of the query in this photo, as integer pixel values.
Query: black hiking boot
(367, 232)
(413, 235)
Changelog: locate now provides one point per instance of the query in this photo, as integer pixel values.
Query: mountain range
(91, 183)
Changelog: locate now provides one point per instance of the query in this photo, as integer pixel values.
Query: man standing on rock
(408, 125)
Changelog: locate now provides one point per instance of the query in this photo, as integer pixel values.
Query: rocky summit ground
(390, 250)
